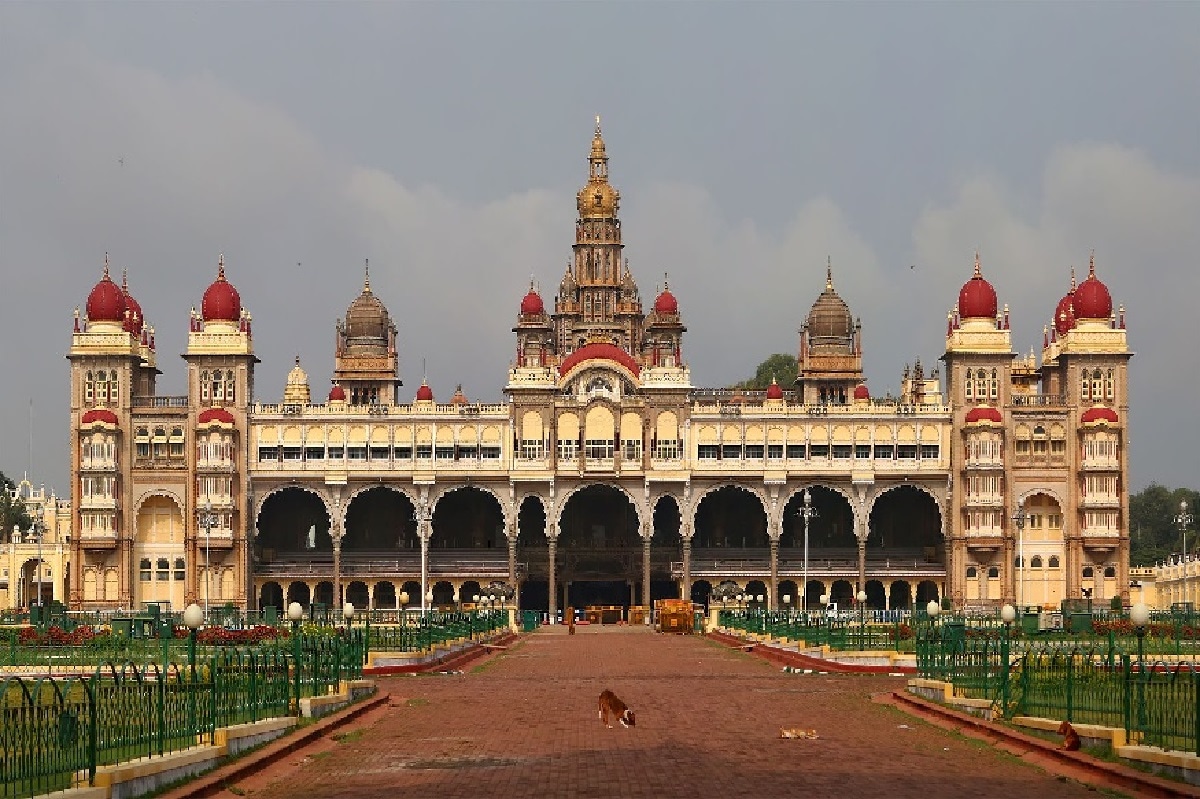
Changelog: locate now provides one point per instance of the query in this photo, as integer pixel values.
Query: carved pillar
(424, 535)
(124, 583)
(512, 561)
(1008, 573)
(686, 593)
(553, 545)
(646, 575)
(337, 571)
(862, 565)
(771, 600)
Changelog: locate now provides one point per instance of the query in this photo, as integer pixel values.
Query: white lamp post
(933, 608)
(806, 512)
(207, 520)
(1018, 519)
(38, 529)
(348, 612)
(1184, 520)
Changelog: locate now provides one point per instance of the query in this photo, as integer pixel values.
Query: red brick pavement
(524, 725)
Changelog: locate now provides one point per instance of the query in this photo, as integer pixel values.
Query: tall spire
(106, 277)
(124, 280)
(829, 273)
(1092, 265)
(598, 200)
(367, 275)
(1072, 278)
(978, 272)
(221, 266)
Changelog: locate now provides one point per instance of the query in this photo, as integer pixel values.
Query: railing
(161, 402)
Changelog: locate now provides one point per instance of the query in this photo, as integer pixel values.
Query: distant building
(38, 557)
(605, 477)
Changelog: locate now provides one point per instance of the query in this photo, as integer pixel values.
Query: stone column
(687, 568)
(424, 564)
(125, 576)
(862, 565)
(772, 598)
(512, 571)
(646, 575)
(553, 544)
(337, 571)
(1008, 573)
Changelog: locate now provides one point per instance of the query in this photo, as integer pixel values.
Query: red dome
(984, 413)
(1099, 414)
(774, 391)
(103, 415)
(424, 393)
(106, 303)
(666, 304)
(977, 300)
(221, 300)
(861, 392)
(598, 351)
(532, 304)
(337, 393)
(1064, 314)
(1092, 300)
(211, 415)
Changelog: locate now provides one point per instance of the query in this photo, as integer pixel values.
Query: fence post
(1196, 711)
(1126, 698)
(1070, 685)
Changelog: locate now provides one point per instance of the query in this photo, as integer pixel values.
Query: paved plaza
(524, 724)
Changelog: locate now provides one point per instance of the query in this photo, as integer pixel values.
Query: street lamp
(1139, 614)
(38, 529)
(295, 613)
(193, 617)
(1008, 615)
(208, 520)
(862, 617)
(1184, 520)
(806, 512)
(1018, 518)
(403, 599)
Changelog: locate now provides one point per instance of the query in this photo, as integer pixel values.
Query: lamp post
(295, 613)
(348, 618)
(38, 529)
(208, 520)
(1183, 519)
(403, 617)
(1007, 615)
(932, 609)
(824, 614)
(862, 618)
(806, 512)
(1018, 518)
(1139, 614)
(193, 617)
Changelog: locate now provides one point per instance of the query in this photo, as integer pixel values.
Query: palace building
(604, 476)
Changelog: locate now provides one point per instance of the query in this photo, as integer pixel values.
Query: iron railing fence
(56, 730)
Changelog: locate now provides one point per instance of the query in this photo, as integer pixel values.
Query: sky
(445, 142)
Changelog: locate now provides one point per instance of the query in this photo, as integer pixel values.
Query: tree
(13, 512)
(778, 367)
(1153, 533)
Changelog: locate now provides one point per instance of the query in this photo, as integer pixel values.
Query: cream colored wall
(18, 559)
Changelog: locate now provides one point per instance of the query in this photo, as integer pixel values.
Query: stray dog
(797, 732)
(611, 705)
(1070, 737)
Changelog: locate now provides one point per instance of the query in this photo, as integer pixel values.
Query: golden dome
(598, 199)
(830, 316)
(367, 319)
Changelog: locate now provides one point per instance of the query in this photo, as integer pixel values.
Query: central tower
(597, 298)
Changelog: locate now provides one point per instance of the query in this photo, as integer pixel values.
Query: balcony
(98, 539)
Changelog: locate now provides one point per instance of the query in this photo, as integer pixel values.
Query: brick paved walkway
(708, 720)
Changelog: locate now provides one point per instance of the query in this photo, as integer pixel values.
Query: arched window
(1110, 571)
(994, 389)
(180, 570)
(1110, 389)
(972, 572)
(144, 570)
(113, 394)
(1035, 562)
(89, 389)
(1054, 561)
(229, 386)
(1096, 386)
(1088, 573)
(994, 573)
(970, 386)
(102, 387)
(204, 386)
(1085, 386)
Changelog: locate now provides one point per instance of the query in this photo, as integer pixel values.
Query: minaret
(595, 300)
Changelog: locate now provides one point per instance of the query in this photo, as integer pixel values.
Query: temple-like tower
(830, 350)
(597, 298)
(365, 363)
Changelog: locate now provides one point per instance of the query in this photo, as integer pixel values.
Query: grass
(416, 701)
(348, 736)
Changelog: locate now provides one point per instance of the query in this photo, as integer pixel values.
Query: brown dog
(610, 705)
(797, 732)
(1070, 737)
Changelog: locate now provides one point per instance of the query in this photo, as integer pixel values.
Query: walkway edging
(796, 660)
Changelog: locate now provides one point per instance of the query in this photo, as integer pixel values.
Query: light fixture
(295, 611)
(193, 616)
(933, 608)
(1008, 614)
(1139, 614)
(862, 596)
(348, 610)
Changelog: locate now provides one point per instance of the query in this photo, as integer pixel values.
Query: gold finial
(978, 273)
(829, 273)
(124, 280)
(1092, 265)
(665, 286)
(106, 266)
(221, 266)
(367, 275)
(297, 360)
(597, 125)
(1072, 278)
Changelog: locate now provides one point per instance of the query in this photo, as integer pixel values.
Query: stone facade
(605, 477)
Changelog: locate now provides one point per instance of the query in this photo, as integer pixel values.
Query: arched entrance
(832, 545)
(532, 550)
(664, 547)
(599, 549)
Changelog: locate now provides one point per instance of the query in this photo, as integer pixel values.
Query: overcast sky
(445, 142)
